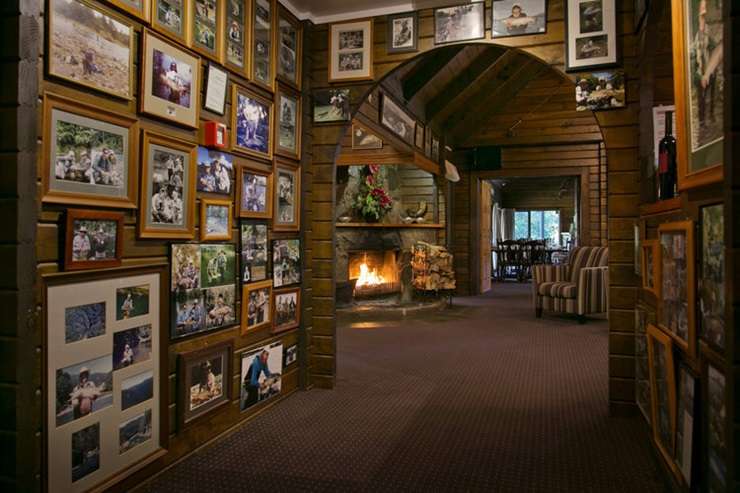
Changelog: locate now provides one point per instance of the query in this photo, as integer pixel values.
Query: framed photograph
(203, 291)
(215, 172)
(435, 149)
(428, 143)
(236, 36)
(215, 219)
(686, 422)
(263, 57)
(93, 239)
(132, 302)
(395, 119)
(663, 389)
(590, 34)
(351, 51)
(331, 105)
(651, 266)
(402, 32)
(712, 279)
(460, 23)
(676, 306)
(217, 83)
(256, 306)
(95, 361)
(255, 255)
(255, 193)
(642, 365)
(167, 190)
(290, 355)
(286, 262)
(518, 18)
(170, 17)
(251, 123)
(715, 413)
(699, 83)
(287, 309)
(600, 91)
(90, 155)
(364, 139)
(419, 139)
(290, 48)
(205, 28)
(289, 112)
(204, 378)
(140, 9)
(261, 374)
(287, 198)
(170, 82)
(90, 45)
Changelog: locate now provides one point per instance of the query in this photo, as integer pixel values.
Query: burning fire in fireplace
(369, 277)
(375, 272)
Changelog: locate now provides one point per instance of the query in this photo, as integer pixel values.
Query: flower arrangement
(372, 201)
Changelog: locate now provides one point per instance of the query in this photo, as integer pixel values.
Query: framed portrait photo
(262, 70)
(331, 105)
(599, 91)
(90, 155)
(460, 23)
(364, 139)
(287, 197)
(699, 83)
(204, 378)
(261, 374)
(518, 18)
(217, 83)
(402, 32)
(170, 82)
(590, 34)
(255, 253)
(206, 28)
(236, 36)
(167, 187)
(286, 309)
(91, 45)
(663, 390)
(215, 219)
(251, 123)
(255, 193)
(215, 172)
(712, 286)
(650, 266)
(256, 306)
(286, 262)
(395, 119)
(170, 17)
(289, 114)
(93, 239)
(351, 51)
(290, 48)
(141, 9)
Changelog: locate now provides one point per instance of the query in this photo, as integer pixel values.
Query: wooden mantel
(393, 226)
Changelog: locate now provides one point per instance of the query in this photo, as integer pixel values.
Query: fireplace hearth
(374, 273)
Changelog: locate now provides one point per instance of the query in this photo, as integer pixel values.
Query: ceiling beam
(425, 70)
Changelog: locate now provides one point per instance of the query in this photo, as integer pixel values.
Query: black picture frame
(414, 35)
(693, 409)
(185, 363)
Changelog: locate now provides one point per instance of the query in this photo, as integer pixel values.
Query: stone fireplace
(374, 273)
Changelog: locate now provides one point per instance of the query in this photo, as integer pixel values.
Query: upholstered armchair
(580, 287)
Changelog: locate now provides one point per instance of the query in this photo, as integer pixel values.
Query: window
(537, 225)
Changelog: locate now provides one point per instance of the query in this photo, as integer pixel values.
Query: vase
(370, 218)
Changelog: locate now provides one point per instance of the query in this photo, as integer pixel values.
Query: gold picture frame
(247, 291)
(650, 262)
(238, 13)
(195, 34)
(287, 21)
(166, 11)
(277, 326)
(286, 92)
(244, 209)
(261, 41)
(253, 146)
(204, 205)
(343, 51)
(142, 13)
(659, 340)
(279, 223)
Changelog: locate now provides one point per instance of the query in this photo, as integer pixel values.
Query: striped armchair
(579, 287)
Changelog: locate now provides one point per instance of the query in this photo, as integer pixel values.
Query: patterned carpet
(481, 397)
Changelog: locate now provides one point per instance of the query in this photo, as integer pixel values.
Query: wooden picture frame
(344, 51)
(197, 25)
(247, 291)
(295, 322)
(712, 289)
(286, 271)
(442, 14)
(590, 36)
(659, 340)
(395, 118)
(184, 153)
(262, 36)
(419, 136)
(326, 109)
(699, 144)
(154, 89)
(60, 183)
(283, 219)
(244, 210)
(672, 287)
(502, 10)
(236, 42)
(360, 133)
(283, 116)
(160, 12)
(289, 31)
(259, 233)
(143, 13)
(204, 205)
(687, 414)
(402, 42)
(715, 430)
(243, 99)
(650, 262)
(93, 244)
(78, 69)
(223, 353)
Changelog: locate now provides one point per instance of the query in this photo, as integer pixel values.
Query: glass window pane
(521, 224)
(535, 227)
(552, 227)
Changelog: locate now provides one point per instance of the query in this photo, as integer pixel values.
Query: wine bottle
(667, 161)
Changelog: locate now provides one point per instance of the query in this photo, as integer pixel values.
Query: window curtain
(507, 224)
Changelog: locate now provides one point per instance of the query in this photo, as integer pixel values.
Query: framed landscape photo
(170, 82)
(331, 105)
(215, 219)
(699, 87)
(286, 262)
(140, 9)
(251, 123)
(90, 45)
(395, 119)
(260, 374)
(90, 155)
(256, 306)
(206, 28)
(518, 18)
(263, 56)
(170, 17)
(460, 23)
(289, 115)
(651, 266)
(676, 306)
(255, 193)
(600, 91)
(255, 253)
(402, 32)
(217, 83)
(168, 171)
(712, 286)
(215, 172)
(351, 51)
(204, 378)
(364, 139)
(287, 197)
(236, 36)
(290, 48)
(663, 390)
(287, 309)
(93, 239)
(590, 34)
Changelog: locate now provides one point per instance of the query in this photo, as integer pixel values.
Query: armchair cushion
(559, 289)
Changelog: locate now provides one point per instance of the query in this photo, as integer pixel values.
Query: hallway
(483, 397)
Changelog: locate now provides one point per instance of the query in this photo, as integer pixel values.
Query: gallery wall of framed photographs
(170, 236)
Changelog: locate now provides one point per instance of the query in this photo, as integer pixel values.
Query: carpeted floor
(481, 397)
